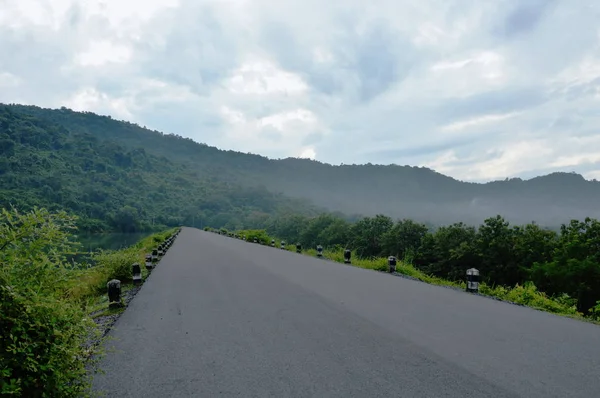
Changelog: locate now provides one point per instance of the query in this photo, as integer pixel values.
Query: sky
(475, 89)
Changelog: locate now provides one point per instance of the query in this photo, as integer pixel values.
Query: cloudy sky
(475, 89)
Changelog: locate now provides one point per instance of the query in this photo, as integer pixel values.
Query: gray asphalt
(223, 317)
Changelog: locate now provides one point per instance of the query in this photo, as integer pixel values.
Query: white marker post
(392, 264)
(472, 280)
(149, 264)
(319, 251)
(137, 274)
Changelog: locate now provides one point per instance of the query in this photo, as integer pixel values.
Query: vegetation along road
(224, 317)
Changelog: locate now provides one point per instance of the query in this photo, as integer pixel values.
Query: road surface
(222, 317)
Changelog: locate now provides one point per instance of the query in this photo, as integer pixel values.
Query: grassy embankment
(526, 294)
(46, 301)
(89, 287)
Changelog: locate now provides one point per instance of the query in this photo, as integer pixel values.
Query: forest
(113, 188)
(418, 193)
(563, 264)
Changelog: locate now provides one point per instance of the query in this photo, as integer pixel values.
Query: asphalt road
(222, 317)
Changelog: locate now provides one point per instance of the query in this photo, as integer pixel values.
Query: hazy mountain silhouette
(398, 191)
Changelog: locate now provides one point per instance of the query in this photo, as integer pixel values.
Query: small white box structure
(137, 274)
(472, 280)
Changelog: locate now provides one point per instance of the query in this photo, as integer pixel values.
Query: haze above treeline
(118, 175)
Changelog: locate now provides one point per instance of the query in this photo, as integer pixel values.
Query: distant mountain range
(398, 191)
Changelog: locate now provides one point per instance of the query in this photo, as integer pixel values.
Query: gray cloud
(524, 17)
(491, 102)
(313, 138)
(477, 90)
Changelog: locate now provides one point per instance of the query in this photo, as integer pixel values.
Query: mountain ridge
(413, 192)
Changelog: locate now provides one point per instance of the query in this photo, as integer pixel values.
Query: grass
(89, 285)
(526, 294)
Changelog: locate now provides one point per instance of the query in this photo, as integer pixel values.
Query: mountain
(112, 187)
(398, 191)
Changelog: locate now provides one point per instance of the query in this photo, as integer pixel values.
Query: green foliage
(41, 350)
(117, 264)
(43, 302)
(526, 294)
(514, 261)
(259, 234)
(43, 333)
(52, 163)
(167, 177)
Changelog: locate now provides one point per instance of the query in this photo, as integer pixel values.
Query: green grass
(89, 285)
(526, 295)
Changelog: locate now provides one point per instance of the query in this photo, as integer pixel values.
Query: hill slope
(43, 163)
(398, 191)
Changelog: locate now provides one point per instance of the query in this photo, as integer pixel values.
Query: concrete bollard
(154, 256)
(282, 245)
(347, 256)
(298, 248)
(472, 280)
(319, 251)
(149, 264)
(392, 264)
(137, 274)
(272, 242)
(114, 293)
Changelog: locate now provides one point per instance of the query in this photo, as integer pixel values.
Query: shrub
(117, 264)
(42, 347)
(42, 332)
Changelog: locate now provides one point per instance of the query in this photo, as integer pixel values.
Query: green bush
(43, 333)
(117, 264)
(260, 234)
(525, 294)
(41, 350)
(43, 298)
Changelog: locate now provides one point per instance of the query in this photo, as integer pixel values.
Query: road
(223, 317)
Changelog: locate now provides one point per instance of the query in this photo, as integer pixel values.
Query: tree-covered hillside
(399, 191)
(112, 187)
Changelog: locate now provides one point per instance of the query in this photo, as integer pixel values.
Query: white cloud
(264, 78)
(477, 90)
(477, 121)
(8, 80)
(102, 52)
(496, 163)
(308, 153)
(91, 99)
